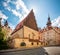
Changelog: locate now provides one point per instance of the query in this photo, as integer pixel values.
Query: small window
(37, 43)
(41, 43)
(33, 34)
(32, 43)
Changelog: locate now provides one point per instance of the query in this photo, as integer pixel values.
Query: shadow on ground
(42, 52)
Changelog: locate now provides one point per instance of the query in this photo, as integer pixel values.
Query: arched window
(32, 43)
(23, 44)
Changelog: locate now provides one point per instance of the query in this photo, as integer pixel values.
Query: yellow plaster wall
(17, 43)
(28, 31)
(19, 33)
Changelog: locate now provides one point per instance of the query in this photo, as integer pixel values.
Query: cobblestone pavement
(34, 51)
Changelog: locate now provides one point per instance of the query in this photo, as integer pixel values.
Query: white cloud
(16, 13)
(56, 22)
(3, 15)
(8, 1)
(6, 5)
(23, 17)
(20, 4)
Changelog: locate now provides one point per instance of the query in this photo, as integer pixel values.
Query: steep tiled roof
(56, 29)
(20, 25)
(26, 22)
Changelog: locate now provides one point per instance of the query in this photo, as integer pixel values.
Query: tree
(3, 43)
(1, 34)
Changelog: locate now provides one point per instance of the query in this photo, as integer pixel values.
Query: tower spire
(6, 23)
(48, 22)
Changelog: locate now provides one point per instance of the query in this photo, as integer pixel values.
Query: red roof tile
(20, 25)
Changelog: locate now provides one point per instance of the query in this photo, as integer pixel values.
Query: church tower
(6, 23)
(48, 22)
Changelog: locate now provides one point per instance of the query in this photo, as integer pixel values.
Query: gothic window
(33, 35)
(32, 43)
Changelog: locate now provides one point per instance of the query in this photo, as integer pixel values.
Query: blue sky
(15, 10)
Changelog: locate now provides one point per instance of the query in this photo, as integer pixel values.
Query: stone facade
(50, 35)
(26, 32)
(26, 35)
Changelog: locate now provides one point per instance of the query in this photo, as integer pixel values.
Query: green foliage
(3, 43)
(0, 29)
(1, 34)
